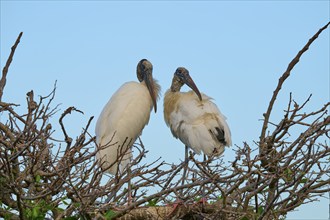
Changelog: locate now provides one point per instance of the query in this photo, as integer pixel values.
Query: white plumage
(194, 118)
(124, 117)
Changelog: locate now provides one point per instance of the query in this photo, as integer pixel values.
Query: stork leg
(185, 168)
(114, 192)
(203, 200)
(129, 188)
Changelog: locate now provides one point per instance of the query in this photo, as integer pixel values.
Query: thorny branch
(48, 178)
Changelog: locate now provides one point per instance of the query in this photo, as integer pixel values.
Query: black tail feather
(221, 135)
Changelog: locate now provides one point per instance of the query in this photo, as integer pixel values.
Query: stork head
(182, 76)
(144, 73)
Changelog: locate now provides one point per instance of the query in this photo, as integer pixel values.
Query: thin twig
(6, 67)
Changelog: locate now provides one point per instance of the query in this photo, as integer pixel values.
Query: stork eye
(144, 67)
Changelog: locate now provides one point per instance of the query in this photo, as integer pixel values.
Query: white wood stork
(194, 118)
(124, 117)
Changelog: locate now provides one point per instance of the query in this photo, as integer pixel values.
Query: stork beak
(190, 82)
(150, 85)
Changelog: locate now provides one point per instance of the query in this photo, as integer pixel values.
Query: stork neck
(139, 76)
(176, 84)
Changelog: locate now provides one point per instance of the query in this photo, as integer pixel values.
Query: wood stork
(124, 117)
(194, 118)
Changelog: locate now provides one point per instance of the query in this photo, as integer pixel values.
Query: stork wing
(199, 124)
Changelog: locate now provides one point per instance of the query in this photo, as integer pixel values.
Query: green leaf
(260, 210)
(197, 198)
(38, 178)
(244, 218)
(35, 212)
(71, 218)
(152, 202)
(109, 214)
(304, 180)
(59, 209)
(288, 175)
(8, 216)
(64, 202)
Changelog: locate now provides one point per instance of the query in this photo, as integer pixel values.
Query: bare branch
(55, 179)
(6, 67)
(281, 80)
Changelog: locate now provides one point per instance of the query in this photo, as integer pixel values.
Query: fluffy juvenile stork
(123, 118)
(194, 118)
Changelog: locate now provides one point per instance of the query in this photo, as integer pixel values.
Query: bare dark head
(143, 67)
(182, 76)
(144, 74)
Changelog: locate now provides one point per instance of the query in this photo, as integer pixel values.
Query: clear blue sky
(235, 51)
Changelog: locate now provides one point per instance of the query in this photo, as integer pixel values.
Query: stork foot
(202, 201)
(177, 203)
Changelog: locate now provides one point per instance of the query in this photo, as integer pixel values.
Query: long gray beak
(190, 82)
(150, 85)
